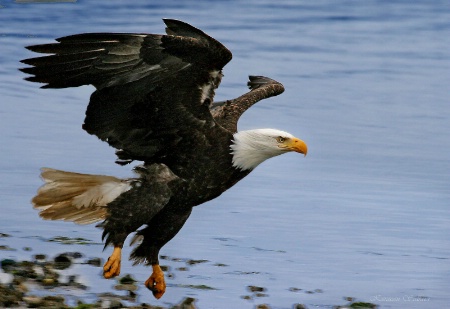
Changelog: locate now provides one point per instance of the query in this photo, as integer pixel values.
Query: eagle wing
(227, 113)
(152, 91)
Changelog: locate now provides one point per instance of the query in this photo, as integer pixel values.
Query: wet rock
(182, 268)
(50, 277)
(97, 262)
(105, 297)
(75, 255)
(71, 241)
(19, 269)
(48, 282)
(6, 248)
(56, 302)
(111, 303)
(127, 283)
(62, 261)
(168, 258)
(197, 286)
(299, 306)
(20, 286)
(170, 275)
(33, 301)
(187, 303)
(40, 258)
(294, 289)
(7, 264)
(177, 259)
(253, 288)
(72, 282)
(38, 270)
(363, 305)
(261, 295)
(45, 302)
(126, 287)
(6, 278)
(262, 306)
(9, 297)
(164, 268)
(127, 279)
(194, 262)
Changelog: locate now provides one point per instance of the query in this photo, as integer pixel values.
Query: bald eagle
(153, 103)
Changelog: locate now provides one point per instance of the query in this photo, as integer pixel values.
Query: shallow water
(365, 214)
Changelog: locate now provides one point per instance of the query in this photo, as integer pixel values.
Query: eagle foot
(156, 282)
(111, 268)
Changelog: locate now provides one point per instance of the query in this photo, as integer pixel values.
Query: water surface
(364, 215)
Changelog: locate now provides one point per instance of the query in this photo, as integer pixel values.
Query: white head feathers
(252, 147)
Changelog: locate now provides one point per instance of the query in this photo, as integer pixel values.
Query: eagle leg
(156, 282)
(112, 266)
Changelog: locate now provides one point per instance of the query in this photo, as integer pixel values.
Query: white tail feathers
(80, 198)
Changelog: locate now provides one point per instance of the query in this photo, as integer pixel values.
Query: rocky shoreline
(20, 279)
(34, 283)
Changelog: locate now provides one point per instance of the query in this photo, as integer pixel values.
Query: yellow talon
(156, 282)
(112, 266)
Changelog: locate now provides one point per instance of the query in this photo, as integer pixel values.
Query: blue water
(364, 215)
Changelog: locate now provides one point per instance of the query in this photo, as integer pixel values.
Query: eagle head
(252, 147)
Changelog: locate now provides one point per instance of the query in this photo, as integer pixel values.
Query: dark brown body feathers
(154, 103)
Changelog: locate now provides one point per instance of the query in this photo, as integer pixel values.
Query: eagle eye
(281, 139)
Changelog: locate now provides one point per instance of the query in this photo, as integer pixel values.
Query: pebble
(97, 262)
(62, 261)
(127, 279)
(33, 301)
(6, 278)
(38, 270)
(193, 262)
(126, 287)
(48, 281)
(40, 258)
(111, 304)
(253, 288)
(7, 263)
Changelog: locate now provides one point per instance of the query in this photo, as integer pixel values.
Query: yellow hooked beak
(295, 144)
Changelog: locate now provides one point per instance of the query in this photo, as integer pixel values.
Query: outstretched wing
(152, 90)
(227, 113)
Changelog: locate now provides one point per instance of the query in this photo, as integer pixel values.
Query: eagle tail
(80, 198)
